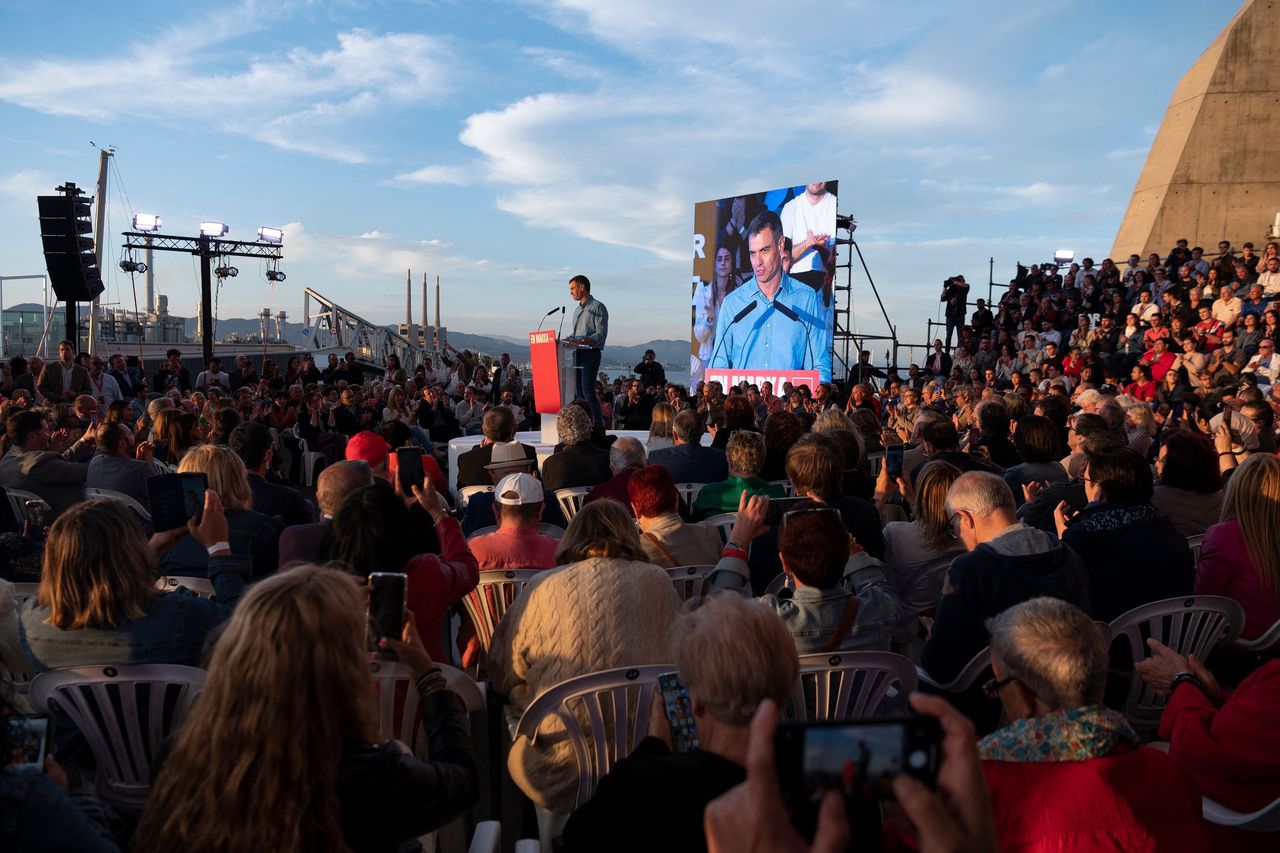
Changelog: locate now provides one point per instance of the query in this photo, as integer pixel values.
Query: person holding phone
(319, 776)
(730, 655)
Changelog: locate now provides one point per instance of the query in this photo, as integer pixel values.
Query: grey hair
(980, 493)
(745, 451)
(1112, 413)
(832, 419)
(687, 427)
(573, 425)
(626, 454)
(1054, 649)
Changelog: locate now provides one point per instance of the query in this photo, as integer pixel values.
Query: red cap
(369, 446)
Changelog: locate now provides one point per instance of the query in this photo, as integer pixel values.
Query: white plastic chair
(965, 679)
(788, 490)
(1266, 819)
(851, 685)
(465, 493)
(22, 592)
(202, 587)
(487, 837)
(779, 583)
(1194, 625)
(1194, 543)
(1269, 639)
(310, 458)
(604, 715)
(398, 715)
(109, 495)
(493, 594)
(555, 531)
(125, 713)
(690, 581)
(18, 500)
(571, 500)
(723, 523)
(689, 491)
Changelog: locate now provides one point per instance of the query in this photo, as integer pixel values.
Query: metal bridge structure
(334, 329)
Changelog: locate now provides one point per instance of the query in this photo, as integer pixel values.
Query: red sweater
(1131, 800)
(1233, 751)
(436, 583)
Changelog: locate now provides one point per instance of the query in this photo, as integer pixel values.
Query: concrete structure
(1213, 171)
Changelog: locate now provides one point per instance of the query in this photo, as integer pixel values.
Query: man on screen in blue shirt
(772, 321)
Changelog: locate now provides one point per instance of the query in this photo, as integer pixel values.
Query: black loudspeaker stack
(66, 231)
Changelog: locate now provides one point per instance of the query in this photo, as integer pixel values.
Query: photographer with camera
(955, 293)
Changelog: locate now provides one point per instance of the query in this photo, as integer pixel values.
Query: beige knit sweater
(585, 617)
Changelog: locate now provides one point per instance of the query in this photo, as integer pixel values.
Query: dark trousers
(588, 364)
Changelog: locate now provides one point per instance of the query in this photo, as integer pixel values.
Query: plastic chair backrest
(851, 685)
(493, 594)
(967, 677)
(1194, 625)
(1265, 819)
(202, 587)
(555, 531)
(788, 490)
(571, 500)
(1194, 543)
(689, 491)
(1269, 638)
(125, 713)
(779, 583)
(398, 715)
(22, 592)
(465, 493)
(723, 523)
(109, 495)
(18, 500)
(604, 714)
(690, 581)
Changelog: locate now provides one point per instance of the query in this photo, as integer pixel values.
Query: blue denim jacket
(173, 628)
(812, 614)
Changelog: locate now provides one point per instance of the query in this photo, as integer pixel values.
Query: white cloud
(25, 185)
(453, 175)
(298, 99)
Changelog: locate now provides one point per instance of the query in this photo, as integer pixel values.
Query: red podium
(555, 378)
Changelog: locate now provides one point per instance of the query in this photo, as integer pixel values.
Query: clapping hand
(1063, 515)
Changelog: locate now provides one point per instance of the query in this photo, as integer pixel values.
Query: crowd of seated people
(1097, 440)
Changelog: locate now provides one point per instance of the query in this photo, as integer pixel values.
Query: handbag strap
(851, 605)
(657, 544)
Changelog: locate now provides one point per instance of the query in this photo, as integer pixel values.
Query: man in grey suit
(301, 542)
(29, 465)
(121, 464)
(689, 461)
(63, 380)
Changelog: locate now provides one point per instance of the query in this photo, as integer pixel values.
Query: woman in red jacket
(1240, 557)
(1230, 742)
(1068, 773)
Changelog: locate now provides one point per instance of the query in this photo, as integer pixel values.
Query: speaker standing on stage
(590, 328)
(772, 321)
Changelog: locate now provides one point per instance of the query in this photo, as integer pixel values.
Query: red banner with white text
(544, 353)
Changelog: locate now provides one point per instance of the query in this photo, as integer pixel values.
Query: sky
(506, 146)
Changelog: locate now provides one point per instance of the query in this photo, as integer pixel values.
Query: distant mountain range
(673, 354)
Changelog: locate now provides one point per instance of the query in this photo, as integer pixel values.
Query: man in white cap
(507, 457)
(518, 505)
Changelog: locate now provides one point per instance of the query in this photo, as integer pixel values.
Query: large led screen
(763, 268)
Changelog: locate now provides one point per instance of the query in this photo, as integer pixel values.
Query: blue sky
(509, 145)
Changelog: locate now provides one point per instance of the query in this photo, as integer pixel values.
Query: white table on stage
(534, 439)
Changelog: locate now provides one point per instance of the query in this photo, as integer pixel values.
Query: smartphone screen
(409, 468)
(779, 507)
(28, 740)
(386, 607)
(679, 709)
(893, 460)
(174, 498)
(858, 759)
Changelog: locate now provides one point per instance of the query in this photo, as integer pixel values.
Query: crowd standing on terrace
(1099, 439)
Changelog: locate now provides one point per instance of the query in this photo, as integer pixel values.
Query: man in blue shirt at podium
(772, 321)
(590, 328)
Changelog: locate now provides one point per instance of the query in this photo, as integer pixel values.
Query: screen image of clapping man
(772, 321)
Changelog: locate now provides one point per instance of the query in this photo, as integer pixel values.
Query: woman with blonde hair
(918, 553)
(1240, 556)
(283, 751)
(606, 607)
(251, 533)
(97, 603)
(660, 435)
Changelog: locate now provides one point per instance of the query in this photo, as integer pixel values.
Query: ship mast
(104, 155)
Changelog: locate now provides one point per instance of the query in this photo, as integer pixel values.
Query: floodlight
(271, 235)
(1062, 257)
(213, 229)
(146, 222)
(132, 266)
(275, 275)
(226, 272)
